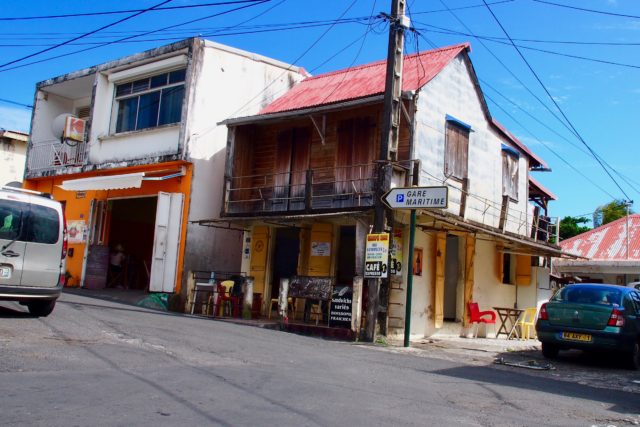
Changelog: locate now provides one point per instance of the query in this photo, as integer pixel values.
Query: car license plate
(5, 272)
(572, 336)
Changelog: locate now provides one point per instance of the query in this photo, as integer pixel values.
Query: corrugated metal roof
(608, 242)
(542, 189)
(363, 80)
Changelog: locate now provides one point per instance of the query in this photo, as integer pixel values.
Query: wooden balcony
(312, 190)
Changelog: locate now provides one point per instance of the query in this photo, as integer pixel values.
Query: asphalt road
(94, 362)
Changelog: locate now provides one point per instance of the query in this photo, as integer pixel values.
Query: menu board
(97, 267)
(341, 303)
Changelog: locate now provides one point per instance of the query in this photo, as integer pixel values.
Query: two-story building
(302, 176)
(13, 152)
(132, 148)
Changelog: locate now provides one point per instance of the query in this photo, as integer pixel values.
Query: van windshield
(28, 223)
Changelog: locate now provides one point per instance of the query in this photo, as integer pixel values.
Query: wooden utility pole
(378, 289)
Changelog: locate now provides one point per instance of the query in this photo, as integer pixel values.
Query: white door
(166, 241)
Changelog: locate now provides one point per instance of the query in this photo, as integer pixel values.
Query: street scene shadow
(620, 401)
(13, 311)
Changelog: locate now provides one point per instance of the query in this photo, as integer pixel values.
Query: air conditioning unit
(74, 129)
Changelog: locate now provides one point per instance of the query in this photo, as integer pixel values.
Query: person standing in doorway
(116, 264)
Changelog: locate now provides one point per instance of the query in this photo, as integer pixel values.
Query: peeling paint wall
(12, 157)
(452, 92)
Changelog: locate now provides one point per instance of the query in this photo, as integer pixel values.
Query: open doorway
(346, 261)
(285, 262)
(132, 227)
(451, 278)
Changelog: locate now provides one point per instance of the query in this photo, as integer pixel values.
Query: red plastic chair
(476, 317)
(226, 301)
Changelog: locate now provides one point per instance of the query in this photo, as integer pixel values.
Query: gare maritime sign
(417, 198)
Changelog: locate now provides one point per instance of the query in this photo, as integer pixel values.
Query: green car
(592, 317)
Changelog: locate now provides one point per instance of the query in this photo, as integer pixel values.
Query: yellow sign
(376, 256)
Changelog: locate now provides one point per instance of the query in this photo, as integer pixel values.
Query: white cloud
(15, 118)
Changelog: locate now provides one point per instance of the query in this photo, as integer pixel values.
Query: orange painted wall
(79, 209)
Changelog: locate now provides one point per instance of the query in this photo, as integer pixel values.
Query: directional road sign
(417, 198)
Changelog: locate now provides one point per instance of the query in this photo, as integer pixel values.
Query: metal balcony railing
(52, 155)
(312, 189)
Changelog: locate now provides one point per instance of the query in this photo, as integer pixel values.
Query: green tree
(613, 210)
(571, 226)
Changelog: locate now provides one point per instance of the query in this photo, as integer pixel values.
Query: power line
(587, 10)
(492, 38)
(84, 35)
(293, 62)
(16, 103)
(555, 102)
(626, 179)
(115, 12)
(551, 52)
(549, 148)
(132, 37)
(462, 7)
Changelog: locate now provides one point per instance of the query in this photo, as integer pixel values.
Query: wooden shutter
(300, 160)
(438, 291)
(456, 151)
(523, 270)
(344, 155)
(321, 265)
(283, 168)
(499, 263)
(258, 263)
(470, 254)
(509, 175)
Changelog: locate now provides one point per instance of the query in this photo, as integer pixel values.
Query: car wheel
(41, 308)
(550, 351)
(634, 357)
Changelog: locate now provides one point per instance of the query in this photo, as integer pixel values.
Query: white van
(33, 247)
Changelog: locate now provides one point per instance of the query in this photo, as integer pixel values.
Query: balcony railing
(55, 155)
(313, 189)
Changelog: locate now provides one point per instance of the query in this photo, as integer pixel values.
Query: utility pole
(378, 289)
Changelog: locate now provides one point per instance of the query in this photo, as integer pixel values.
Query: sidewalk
(595, 370)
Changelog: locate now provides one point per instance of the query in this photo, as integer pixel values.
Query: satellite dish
(57, 127)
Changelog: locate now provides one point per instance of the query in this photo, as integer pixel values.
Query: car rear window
(28, 223)
(589, 295)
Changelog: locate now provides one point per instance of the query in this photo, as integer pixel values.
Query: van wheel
(550, 351)
(41, 308)
(633, 358)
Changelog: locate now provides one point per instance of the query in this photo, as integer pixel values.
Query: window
(150, 102)
(510, 160)
(28, 223)
(456, 149)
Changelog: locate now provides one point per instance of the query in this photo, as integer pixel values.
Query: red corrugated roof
(542, 189)
(363, 81)
(536, 160)
(607, 242)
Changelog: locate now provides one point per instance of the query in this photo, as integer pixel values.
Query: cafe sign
(376, 256)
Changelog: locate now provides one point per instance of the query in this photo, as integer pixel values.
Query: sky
(587, 61)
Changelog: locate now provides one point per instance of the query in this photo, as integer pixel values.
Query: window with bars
(456, 149)
(150, 102)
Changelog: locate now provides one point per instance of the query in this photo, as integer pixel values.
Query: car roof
(29, 197)
(601, 286)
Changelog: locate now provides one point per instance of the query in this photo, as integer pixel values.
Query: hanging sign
(376, 256)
